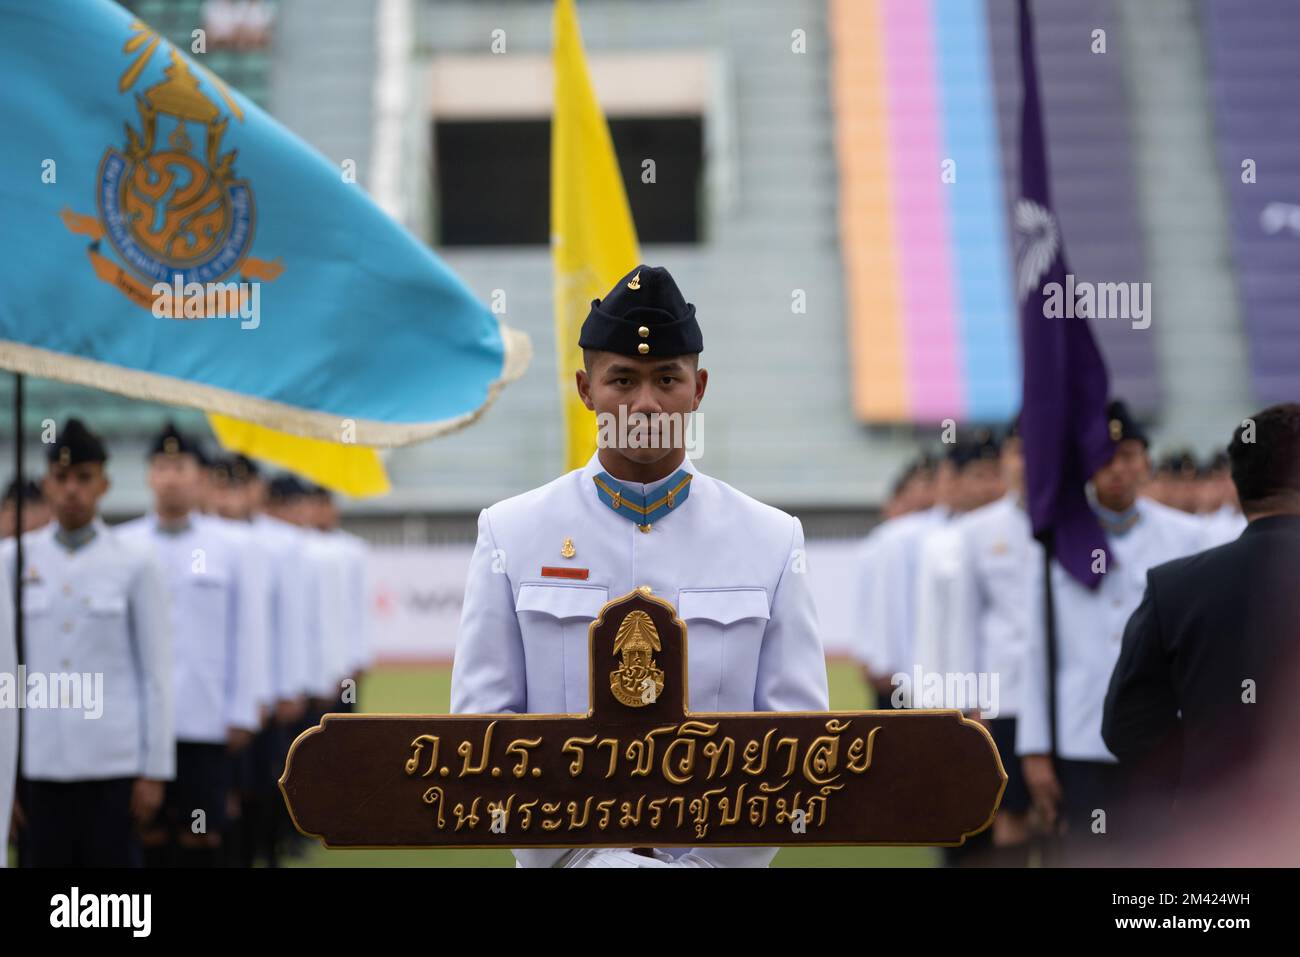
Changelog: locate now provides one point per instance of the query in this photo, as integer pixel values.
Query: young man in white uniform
(547, 560)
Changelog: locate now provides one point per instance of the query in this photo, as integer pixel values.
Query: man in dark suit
(1210, 654)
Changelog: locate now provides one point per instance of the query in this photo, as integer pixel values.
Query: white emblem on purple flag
(1036, 246)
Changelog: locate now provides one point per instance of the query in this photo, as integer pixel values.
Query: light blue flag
(162, 237)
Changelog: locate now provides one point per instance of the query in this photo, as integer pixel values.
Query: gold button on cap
(643, 331)
(643, 348)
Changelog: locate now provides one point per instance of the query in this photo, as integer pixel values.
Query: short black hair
(28, 489)
(1266, 470)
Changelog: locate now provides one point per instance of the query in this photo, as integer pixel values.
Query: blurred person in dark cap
(984, 630)
(1080, 789)
(95, 618)
(324, 581)
(1217, 502)
(239, 495)
(324, 516)
(1173, 481)
(35, 511)
(887, 577)
(913, 491)
(219, 657)
(1209, 657)
(942, 570)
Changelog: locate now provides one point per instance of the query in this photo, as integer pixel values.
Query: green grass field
(427, 690)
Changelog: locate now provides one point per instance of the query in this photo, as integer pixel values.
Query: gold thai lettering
(793, 745)
(574, 823)
(612, 744)
(462, 818)
(551, 807)
(574, 746)
(526, 814)
(726, 804)
(604, 807)
(823, 754)
(859, 759)
(642, 751)
(714, 751)
(418, 744)
(629, 817)
(466, 750)
(757, 810)
(435, 796)
(520, 747)
(502, 808)
(751, 752)
(656, 808)
(680, 801)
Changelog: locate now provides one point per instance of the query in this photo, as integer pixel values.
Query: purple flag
(1063, 411)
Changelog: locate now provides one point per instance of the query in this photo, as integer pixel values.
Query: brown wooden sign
(640, 769)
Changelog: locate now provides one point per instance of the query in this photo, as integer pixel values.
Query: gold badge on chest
(567, 550)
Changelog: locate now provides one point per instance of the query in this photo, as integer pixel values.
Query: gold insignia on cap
(170, 445)
(65, 456)
(635, 281)
(643, 348)
(567, 550)
(643, 331)
(1116, 430)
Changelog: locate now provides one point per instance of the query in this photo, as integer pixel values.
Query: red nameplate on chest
(552, 571)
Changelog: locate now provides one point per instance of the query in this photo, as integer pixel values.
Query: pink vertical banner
(920, 212)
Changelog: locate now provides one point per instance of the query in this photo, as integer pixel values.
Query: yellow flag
(354, 470)
(593, 239)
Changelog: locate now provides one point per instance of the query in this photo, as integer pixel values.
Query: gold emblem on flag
(170, 202)
(635, 677)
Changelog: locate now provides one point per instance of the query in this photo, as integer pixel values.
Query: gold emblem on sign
(567, 550)
(637, 682)
(635, 281)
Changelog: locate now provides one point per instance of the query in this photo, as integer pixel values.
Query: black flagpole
(18, 524)
(19, 629)
(1050, 847)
